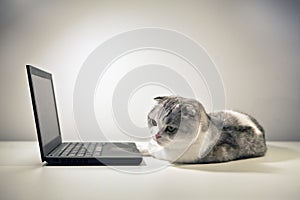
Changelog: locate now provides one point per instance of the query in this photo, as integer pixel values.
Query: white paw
(143, 148)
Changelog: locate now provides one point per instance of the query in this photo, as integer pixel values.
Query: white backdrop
(254, 44)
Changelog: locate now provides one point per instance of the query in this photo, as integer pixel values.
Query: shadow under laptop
(143, 163)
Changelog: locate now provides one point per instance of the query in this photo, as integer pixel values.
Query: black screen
(45, 108)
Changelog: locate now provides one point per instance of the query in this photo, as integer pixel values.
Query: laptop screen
(45, 105)
(45, 112)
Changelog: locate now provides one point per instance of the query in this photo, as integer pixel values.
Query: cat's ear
(188, 110)
(161, 99)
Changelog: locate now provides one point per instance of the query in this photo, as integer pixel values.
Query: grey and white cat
(185, 133)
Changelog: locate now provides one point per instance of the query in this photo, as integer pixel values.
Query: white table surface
(275, 176)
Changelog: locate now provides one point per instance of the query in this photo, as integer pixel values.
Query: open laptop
(56, 152)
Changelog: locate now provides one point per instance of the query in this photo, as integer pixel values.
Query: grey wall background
(255, 44)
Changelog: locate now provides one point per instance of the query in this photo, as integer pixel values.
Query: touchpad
(120, 150)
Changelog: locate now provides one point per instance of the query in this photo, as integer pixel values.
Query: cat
(184, 133)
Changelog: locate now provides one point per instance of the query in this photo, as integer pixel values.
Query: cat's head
(175, 118)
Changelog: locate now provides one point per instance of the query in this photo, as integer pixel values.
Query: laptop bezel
(45, 149)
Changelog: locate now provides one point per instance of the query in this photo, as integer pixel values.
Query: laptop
(56, 152)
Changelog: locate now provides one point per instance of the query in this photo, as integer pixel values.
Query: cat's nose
(157, 136)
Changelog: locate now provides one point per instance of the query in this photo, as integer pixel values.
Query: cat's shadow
(254, 165)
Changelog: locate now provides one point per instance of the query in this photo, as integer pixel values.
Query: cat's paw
(143, 148)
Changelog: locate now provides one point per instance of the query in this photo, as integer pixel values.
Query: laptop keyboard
(78, 150)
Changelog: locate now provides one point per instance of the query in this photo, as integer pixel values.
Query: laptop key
(98, 148)
(57, 151)
(97, 153)
(63, 154)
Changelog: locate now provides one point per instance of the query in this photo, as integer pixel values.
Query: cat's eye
(170, 129)
(153, 122)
